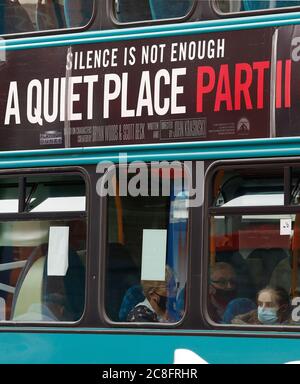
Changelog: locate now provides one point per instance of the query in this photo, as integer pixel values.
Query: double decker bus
(149, 181)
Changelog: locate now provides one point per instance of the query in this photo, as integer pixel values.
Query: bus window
(254, 246)
(138, 10)
(254, 253)
(43, 258)
(146, 258)
(39, 15)
(229, 6)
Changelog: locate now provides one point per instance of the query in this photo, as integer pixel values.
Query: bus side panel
(124, 349)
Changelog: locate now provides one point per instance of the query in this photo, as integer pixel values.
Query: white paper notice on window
(58, 251)
(154, 254)
(285, 226)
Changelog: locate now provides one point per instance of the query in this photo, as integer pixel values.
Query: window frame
(128, 24)
(28, 216)
(210, 211)
(103, 275)
(49, 32)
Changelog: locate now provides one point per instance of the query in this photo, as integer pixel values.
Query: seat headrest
(237, 307)
(29, 291)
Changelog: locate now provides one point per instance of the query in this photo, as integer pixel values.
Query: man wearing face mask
(273, 307)
(222, 289)
(158, 295)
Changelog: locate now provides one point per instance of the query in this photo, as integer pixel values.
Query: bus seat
(29, 288)
(165, 9)
(49, 15)
(23, 238)
(132, 297)
(78, 12)
(237, 307)
(261, 263)
(34, 286)
(71, 287)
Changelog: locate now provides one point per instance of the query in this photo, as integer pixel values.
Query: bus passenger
(273, 308)
(157, 293)
(222, 289)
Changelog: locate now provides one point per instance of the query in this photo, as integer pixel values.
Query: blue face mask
(267, 315)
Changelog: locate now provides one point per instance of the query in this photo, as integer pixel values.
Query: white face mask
(267, 315)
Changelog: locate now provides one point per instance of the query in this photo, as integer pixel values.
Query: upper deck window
(138, 10)
(19, 16)
(229, 6)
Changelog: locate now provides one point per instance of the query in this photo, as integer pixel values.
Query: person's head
(223, 284)
(159, 291)
(273, 305)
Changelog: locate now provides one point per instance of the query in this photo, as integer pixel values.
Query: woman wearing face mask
(273, 307)
(158, 294)
(222, 289)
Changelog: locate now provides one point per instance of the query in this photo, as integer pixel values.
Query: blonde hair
(150, 286)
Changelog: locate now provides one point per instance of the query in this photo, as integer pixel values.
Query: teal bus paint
(101, 108)
(121, 349)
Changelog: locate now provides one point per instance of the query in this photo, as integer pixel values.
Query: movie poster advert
(197, 87)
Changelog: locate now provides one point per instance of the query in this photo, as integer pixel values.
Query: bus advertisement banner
(198, 87)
